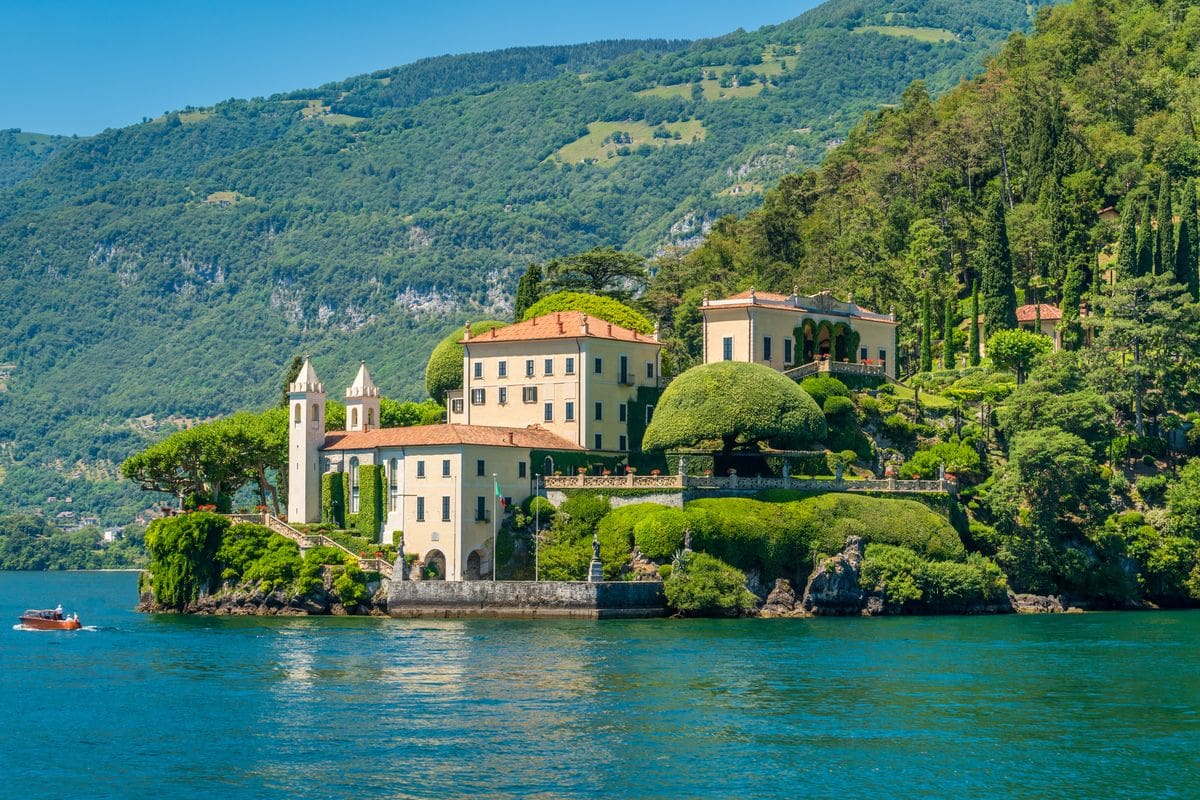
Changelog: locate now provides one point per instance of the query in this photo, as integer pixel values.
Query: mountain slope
(171, 268)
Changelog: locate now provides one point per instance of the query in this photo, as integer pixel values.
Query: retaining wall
(563, 599)
(672, 498)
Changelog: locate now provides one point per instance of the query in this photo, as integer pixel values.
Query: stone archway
(474, 562)
(435, 565)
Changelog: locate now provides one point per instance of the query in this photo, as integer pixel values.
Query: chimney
(510, 438)
(656, 331)
(493, 333)
(466, 331)
(753, 296)
(610, 329)
(583, 325)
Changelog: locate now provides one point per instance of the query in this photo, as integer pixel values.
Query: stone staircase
(307, 541)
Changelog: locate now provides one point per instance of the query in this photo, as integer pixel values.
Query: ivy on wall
(333, 499)
(370, 501)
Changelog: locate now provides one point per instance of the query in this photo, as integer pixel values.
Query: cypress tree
(926, 335)
(949, 361)
(1145, 259)
(1165, 260)
(529, 291)
(973, 331)
(995, 258)
(1127, 247)
(1072, 295)
(1189, 241)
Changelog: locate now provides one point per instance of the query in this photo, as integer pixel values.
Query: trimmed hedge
(443, 373)
(734, 403)
(333, 500)
(822, 387)
(370, 501)
(605, 308)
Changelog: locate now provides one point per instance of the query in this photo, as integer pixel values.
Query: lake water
(1070, 706)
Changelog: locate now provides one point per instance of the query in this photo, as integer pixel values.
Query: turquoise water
(1079, 706)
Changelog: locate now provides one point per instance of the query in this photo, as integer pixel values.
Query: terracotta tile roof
(1029, 313)
(560, 325)
(801, 304)
(760, 296)
(432, 435)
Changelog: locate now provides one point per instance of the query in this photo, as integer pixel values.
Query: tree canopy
(605, 308)
(734, 404)
(443, 371)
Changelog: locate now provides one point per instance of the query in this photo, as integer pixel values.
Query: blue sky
(79, 66)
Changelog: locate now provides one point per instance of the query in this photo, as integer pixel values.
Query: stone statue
(595, 547)
(687, 540)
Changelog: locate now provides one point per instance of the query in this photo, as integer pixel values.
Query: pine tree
(529, 291)
(995, 258)
(1127, 246)
(949, 352)
(973, 331)
(289, 377)
(1189, 240)
(1145, 259)
(1165, 254)
(926, 335)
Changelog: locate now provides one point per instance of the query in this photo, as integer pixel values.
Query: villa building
(788, 331)
(1040, 318)
(575, 377)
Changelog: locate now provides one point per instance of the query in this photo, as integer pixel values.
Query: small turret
(362, 402)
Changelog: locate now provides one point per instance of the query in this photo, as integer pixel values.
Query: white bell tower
(362, 402)
(306, 436)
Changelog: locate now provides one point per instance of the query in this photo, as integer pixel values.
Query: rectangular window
(622, 443)
(863, 354)
(548, 366)
(503, 395)
(480, 467)
(727, 348)
(502, 369)
(548, 412)
(420, 469)
(529, 368)
(599, 365)
(570, 368)
(599, 411)
(481, 514)
(622, 412)
(569, 412)
(456, 405)
(478, 369)
(649, 413)
(521, 469)
(624, 377)
(766, 348)
(529, 394)
(599, 442)
(787, 351)
(478, 396)
(420, 509)
(445, 468)
(882, 354)
(445, 508)
(650, 370)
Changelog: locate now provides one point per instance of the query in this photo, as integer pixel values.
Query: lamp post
(537, 522)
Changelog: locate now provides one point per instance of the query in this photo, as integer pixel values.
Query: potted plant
(656, 472)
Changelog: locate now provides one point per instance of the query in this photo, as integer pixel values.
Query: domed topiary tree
(443, 373)
(604, 308)
(736, 403)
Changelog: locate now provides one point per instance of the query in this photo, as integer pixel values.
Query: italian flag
(499, 497)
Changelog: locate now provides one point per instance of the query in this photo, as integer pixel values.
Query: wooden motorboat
(50, 620)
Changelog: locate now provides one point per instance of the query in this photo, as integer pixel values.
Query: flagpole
(495, 540)
(537, 523)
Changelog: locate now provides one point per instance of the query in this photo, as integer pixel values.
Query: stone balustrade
(737, 483)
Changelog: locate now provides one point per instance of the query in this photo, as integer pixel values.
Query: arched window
(353, 418)
(393, 485)
(316, 415)
(370, 417)
(296, 415)
(354, 485)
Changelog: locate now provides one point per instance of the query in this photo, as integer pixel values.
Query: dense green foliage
(363, 218)
(734, 404)
(601, 308)
(703, 585)
(907, 579)
(29, 542)
(183, 553)
(443, 371)
(370, 501)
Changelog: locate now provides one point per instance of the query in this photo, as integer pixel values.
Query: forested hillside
(172, 268)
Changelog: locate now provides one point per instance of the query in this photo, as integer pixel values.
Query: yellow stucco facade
(763, 328)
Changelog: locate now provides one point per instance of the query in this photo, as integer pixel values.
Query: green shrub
(904, 577)
(704, 585)
(567, 551)
(254, 554)
(823, 387)
(350, 585)
(604, 308)
(370, 501)
(183, 556)
(664, 571)
(960, 459)
(333, 500)
(658, 536)
(443, 373)
(536, 506)
(1152, 488)
(838, 406)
